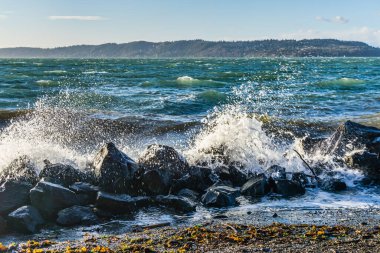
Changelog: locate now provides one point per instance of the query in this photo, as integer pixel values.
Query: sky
(52, 23)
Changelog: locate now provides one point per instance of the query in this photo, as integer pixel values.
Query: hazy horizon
(48, 24)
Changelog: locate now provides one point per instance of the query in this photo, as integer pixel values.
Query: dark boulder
(88, 190)
(121, 203)
(332, 184)
(301, 178)
(50, 198)
(368, 163)
(13, 195)
(351, 136)
(161, 165)
(77, 215)
(276, 172)
(188, 193)
(62, 174)
(220, 196)
(3, 225)
(232, 174)
(311, 144)
(197, 179)
(288, 188)
(256, 186)
(114, 170)
(177, 203)
(26, 219)
(21, 169)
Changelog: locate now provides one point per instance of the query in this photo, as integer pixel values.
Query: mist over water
(258, 110)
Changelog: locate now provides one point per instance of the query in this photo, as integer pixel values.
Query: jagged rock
(121, 203)
(77, 215)
(3, 225)
(50, 198)
(256, 186)
(352, 136)
(288, 188)
(188, 193)
(178, 203)
(21, 169)
(85, 189)
(62, 174)
(26, 219)
(161, 165)
(332, 184)
(301, 178)
(220, 196)
(367, 162)
(198, 179)
(231, 173)
(114, 170)
(13, 195)
(310, 144)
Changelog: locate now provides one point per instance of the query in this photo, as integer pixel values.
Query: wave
(343, 82)
(45, 82)
(90, 72)
(55, 71)
(186, 79)
(212, 96)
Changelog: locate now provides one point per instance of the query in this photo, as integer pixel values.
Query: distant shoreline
(193, 49)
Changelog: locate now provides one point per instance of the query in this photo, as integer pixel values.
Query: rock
(288, 188)
(231, 173)
(276, 172)
(256, 186)
(178, 203)
(368, 163)
(198, 179)
(121, 203)
(26, 219)
(352, 136)
(301, 178)
(50, 198)
(3, 225)
(310, 144)
(13, 195)
(86, 189)
(21, 169)
(332, 184)
(161, 165)
(114, 170)
(220, 196)
(62, 174)
(190, 194)
(77, 215)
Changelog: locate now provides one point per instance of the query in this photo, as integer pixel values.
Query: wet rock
(88, 190)
(77, 215)
(352, 136)
(3, 225)
(178, 203)
(50, 198)
(62, 174)
(288, 188)
(276, 172)
(220, 196)
(310, 144)
(198, 179)
(26, 219)
(231, 173)
(114, 170)
(368, 163)
(301, 178)
(21, 169)
(190, 194)
(13, 195)
(161, 165)
(121, 203)
(256, 186)
(332, 184)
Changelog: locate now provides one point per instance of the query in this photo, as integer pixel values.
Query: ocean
(64, 110)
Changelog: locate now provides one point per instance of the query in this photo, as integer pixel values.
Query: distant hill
(201, 48)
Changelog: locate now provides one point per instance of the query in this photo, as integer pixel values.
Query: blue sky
(50, 23)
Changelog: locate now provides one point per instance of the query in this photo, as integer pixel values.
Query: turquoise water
(310, 89)
(257, 109)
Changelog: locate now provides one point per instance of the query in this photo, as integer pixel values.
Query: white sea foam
(90, 72)
(44, 82)
(55, 71)
(186, 79)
